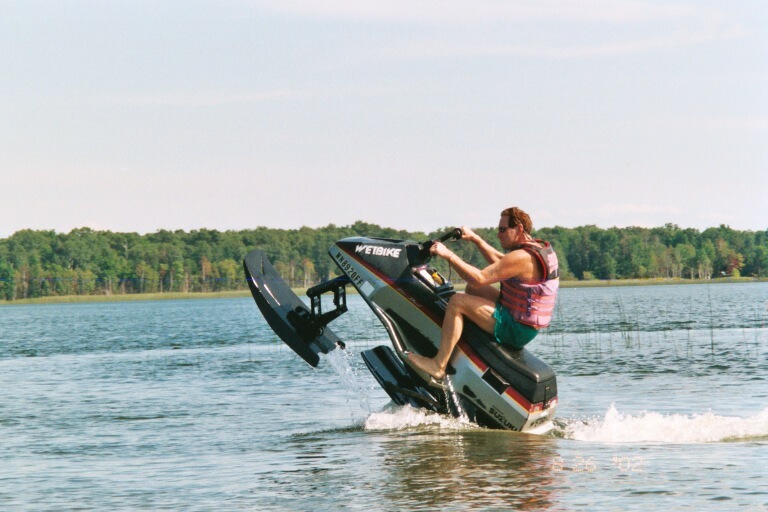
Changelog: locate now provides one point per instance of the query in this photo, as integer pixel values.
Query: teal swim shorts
(509, 331)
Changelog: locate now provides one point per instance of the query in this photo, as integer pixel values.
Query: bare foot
(428, 365)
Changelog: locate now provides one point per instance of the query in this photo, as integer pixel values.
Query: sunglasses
(502, 229)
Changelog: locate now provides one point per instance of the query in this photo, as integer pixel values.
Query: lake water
(195, 405)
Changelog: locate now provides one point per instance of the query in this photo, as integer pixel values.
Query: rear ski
(301, 328)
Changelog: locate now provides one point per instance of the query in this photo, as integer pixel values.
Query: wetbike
(494, 385)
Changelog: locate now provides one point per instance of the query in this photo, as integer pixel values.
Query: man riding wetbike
(529, 279)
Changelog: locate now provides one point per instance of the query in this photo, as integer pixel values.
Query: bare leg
(461, 305)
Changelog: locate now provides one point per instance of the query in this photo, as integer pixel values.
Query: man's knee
(461, 302)
(455, 302)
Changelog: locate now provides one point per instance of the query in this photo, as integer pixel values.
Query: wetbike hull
(493, 385)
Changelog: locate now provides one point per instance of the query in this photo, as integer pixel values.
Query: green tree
(228, 270)
(7, 281)
(685, 259)
(38, 263)
(760, 259)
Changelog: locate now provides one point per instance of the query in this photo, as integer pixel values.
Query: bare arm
(490, 253)
(514, 264)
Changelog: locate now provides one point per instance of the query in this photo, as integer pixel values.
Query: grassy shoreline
(66, 299)
(658, 281)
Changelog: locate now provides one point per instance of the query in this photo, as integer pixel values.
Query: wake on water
(395, 417)
(614, 427)
(652, 427)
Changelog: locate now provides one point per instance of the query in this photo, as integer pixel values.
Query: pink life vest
(533, 302)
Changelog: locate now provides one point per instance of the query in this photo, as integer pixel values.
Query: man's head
(512, 217)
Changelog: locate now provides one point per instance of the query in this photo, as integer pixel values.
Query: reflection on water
(418, 469)
(466, 469)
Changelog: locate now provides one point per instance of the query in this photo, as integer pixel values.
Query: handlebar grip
(455, 234)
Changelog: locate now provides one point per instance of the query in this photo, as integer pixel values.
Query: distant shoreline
(658, 281)
(595, 283)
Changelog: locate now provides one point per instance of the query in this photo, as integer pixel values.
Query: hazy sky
(141, 115)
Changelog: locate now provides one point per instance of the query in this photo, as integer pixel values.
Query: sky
(135, 116)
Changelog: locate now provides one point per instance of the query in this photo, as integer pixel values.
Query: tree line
(39, 263)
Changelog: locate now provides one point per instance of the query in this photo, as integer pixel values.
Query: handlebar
(454, 234)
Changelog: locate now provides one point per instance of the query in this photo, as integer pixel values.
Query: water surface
(195, 405)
